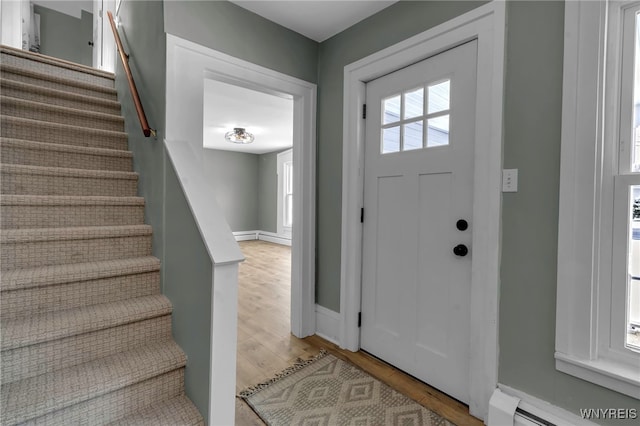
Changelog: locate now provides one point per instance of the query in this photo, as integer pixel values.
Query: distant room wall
(65, 37)
(236, 186)
(268, 192)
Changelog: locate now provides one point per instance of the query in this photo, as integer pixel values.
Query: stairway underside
(85, 332)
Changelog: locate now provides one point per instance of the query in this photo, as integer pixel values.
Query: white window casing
(285, 193)
(594, 200)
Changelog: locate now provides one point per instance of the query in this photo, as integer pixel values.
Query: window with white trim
(288, 195)
(285, 193)
(598, 305)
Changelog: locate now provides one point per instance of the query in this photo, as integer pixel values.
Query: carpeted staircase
(86, 334)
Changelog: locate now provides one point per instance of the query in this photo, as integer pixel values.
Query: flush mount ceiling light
(239, 135)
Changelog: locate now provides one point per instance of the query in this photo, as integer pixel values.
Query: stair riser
(89, 381)
(46, 253)
(35, 96)
(54, 115)
(22, 217)
(116, 405)
(59, 85)
(31, 361)
(39, 300)
(26, 184)
(12, 154)
(54, 70)
(77, 136)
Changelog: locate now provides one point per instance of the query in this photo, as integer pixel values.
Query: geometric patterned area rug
(327, 391)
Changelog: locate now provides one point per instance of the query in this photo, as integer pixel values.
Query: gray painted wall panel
(390, 26)
(186, 267)
(235, 177)
(532, 144)
(268, 192)
(65, 37)
(533, 119)
(255, 39)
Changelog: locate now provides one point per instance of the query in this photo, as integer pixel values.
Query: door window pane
(412, 136)
(413, 103)
(391, 140)
(391, 110)
(439, 96)
(438, 131)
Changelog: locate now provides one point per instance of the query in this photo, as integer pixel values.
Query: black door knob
(460, 250)
(462, 225)
(90, 43)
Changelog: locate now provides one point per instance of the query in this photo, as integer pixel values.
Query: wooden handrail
(148, 131)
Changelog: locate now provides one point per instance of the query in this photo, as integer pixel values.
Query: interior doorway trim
(222, 67)
(486, 24)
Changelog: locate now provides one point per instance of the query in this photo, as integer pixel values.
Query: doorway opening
(76, 31)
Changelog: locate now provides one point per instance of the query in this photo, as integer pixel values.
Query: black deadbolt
(462, 225)
(460, 250)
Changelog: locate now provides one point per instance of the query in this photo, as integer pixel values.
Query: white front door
(418, 197)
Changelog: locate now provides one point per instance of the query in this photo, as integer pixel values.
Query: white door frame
(232, 70)
(486, 24)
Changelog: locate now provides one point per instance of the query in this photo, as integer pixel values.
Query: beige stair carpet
(85, 332)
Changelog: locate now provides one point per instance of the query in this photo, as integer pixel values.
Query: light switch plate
(510, 180)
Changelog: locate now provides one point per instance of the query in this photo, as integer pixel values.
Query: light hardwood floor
(266, 346)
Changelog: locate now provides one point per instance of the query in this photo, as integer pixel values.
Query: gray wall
(268, 192)
(533, 101)
(532, 116)
(214, 24)
(531, 144)
(246, 188)
(65, 37)
(390, 26)
(186, 266)
(236, 186)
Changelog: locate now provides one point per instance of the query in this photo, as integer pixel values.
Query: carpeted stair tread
(31, 153)
(57, 82)
(61, 171)
(43, 131)
(58, 274)
(60, 211)
(16, 236)
(65, 200)
(89, 150)
(56, 325)
(60, 114)
(57, 62)
(43, 358)
(32, 92)
(30, 398)
(175, 411)
(117, 404)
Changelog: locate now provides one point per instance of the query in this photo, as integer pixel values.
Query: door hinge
(364, 111)
(359, 319)
(362, 215)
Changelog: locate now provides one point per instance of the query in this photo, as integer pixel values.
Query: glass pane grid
(633, 265)
(405, 116)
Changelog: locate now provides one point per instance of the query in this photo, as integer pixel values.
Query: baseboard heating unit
(510, 407)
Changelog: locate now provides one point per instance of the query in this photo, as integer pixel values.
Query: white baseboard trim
(328, 324)
(262, 236)
(512, 404)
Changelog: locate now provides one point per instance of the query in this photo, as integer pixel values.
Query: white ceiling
(318, 20)
(268, 117)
